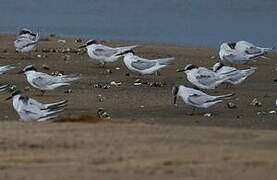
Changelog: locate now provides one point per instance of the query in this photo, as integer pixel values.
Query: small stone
(39, 56)
(78, 40)
(106, 86)
(61, 41)
(97, 85)
(113, 83)
(127, 74)
(256, 103)
(102, 114)
(231, 105)
(138, 81)
(108, 71)
(137, 84)
(261, 113)
(100, 98)
(117, 68)
(212, 57)
(27, 88)
(45, 67)
(141, 106)
(13, 88)
(208, 115)
(68, 91)
(272, 112)
(44, 50)
(66, 57)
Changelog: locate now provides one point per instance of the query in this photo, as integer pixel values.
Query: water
(198, 23)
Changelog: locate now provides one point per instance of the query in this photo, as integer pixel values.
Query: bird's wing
(43, 80)
(253, 50)
(23, 42)
(205, 76)
(104, 51)
(142, 64)
(199, 99)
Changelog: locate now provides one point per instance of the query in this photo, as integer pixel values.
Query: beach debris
(57, 73)
(208, 115)
(100, 98)
(62, 41)
(102, 114)
(157, 84)
(256, 103)
(68, 91)
(101, 86)
(212, 57)
(79, 40)
(27, 88)
(272, 112)
(108, 71)
(231, 105)
(261, 113)
(45, 67)
(113, 83)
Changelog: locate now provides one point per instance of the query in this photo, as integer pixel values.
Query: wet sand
(147, 137)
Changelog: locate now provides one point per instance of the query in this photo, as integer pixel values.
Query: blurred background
(194, 23)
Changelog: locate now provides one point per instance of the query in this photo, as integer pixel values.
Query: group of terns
(234, 53)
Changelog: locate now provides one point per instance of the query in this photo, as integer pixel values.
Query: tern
(104, 54)
(197, 98)
(143, 66)
(236, 76)
(29, 109)
(202, 77)
(44, 82)
(241, 52)
(26, 41)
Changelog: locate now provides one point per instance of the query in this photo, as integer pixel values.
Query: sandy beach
(147, 136)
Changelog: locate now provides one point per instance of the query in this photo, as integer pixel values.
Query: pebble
(45, 67)
(208, 115)
(68, 91)
(100, 98)
(27, 88)
(272, 112)
(256, 103)
(231, 105)
(102, 114)
(137, 84)
(117, 68)
(113, 83)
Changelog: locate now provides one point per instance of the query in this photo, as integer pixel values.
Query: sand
(146, 137)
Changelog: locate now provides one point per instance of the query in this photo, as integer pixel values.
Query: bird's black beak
(8, 98)
(120, 54)
(20, 72)
(180, 70)
(82, 46)
(175, 100)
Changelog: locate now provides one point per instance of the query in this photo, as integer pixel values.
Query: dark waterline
(197, 23)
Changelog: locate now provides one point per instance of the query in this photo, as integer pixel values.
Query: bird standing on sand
(26, 41)
(202, 77)
(196, 98)
(143, 66)
(236, 76)
(44, 82)
(104, 54)
(29, 109)
(241, 52)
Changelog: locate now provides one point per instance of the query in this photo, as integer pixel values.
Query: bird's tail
(165, 61)
(226, 96)
(4, 87)
(47, 118)
(56, 104)
(69, 78)
(248, 72)
(126, 48)
(52, 112)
